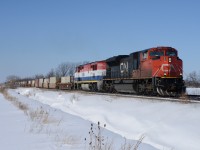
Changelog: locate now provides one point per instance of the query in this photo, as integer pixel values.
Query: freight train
(153, 71)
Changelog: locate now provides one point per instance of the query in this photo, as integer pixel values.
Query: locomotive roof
(116, 58)
(119, 57)
(162, 47)
(154, 48)
(141, 51)
(91, 63)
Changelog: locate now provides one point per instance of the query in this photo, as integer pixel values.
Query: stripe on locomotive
(94, 78)
(90, 74)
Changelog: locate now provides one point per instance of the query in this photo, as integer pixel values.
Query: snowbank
(39, 126)
(166, 125)
(193, 91)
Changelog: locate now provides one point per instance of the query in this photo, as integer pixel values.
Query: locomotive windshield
(157, 53)
(171, 53)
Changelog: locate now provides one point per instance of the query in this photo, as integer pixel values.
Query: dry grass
(139, 142)
(39, 115)
(132, 146)
(6, 95)
(41, 120)
(14, 100)
(184, 98)
(64, 139)
(74, 98)
(97, 141)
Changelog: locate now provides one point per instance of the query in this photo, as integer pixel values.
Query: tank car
(152, 71)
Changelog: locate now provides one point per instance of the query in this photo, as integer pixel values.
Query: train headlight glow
(170, 59)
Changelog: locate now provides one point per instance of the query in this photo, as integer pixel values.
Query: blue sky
(37, 35)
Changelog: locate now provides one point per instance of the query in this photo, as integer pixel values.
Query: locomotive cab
(165, 63)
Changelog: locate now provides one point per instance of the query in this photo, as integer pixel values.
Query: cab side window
(145, 55)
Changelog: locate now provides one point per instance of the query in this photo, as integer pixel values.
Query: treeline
(193, 79)
(63, 69)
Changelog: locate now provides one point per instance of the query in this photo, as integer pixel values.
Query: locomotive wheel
(173, 94)
(158, 90)
(163, 92)
(167, 93)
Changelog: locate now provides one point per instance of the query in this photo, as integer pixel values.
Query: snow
(193, 91)
(165, 125)
(13, 124)
(21, 130)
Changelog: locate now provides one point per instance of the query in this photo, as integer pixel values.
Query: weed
(185, 98)
(39, 115)
(74, 98)
(96, 140)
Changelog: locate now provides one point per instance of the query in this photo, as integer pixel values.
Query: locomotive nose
(167, 69)
(170, 67)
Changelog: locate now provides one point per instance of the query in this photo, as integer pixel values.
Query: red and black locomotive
(152, 71)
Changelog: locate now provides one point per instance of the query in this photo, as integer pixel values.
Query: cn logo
(124, 66)
(167, 67)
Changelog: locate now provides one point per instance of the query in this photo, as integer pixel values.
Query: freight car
(53, 82)
(46, 83)
(66, 83)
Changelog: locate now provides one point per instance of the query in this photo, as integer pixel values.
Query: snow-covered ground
(193, 91)
(165, 125)
(29, 124)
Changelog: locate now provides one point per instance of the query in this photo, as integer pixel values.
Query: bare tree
(11, 81)
(51, 73)
(37, 76)
(67, 68)
(193, 79)
(12, 78)
(63, 69)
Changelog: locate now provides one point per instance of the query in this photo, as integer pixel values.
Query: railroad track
(184, 99)
(194, 97)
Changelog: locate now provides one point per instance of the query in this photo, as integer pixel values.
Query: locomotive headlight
(165, 74)
(170, 59)
(181, 74)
